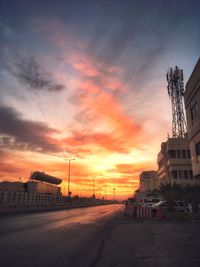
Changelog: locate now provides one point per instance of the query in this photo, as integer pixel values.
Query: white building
(148, 181)
(174, 162)
(192, 105)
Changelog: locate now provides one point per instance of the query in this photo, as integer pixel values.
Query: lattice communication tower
(175, 91)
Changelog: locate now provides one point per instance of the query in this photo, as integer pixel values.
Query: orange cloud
(133, 168)
(86, 69)
(101, 125)
(105, 141)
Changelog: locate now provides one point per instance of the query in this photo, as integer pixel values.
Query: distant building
(31, 187)
(192, 105)
(174, 162)
(42, 188)
(12, 186)
(148, 181)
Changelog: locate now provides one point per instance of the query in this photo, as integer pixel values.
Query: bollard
(140, 213)
(158, 213)
(146, 212)
(150, 212)
(143, 212)
(137, 211)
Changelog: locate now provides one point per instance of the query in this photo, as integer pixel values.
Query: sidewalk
(151, 243)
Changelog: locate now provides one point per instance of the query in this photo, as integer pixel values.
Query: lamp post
(94, 186)
(114, 193)
(69, 175)
(105, 191)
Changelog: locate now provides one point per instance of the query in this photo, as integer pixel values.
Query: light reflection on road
(56, 219)
(55, 238)
(85, 215)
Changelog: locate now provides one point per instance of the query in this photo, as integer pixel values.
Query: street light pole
(69, 174)
(114, 193)
(93, 186)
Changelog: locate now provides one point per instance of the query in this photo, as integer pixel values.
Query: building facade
(148, 181)
(192, 105)
(174, 162)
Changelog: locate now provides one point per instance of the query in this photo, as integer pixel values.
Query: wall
(192, 104)
(11, 201)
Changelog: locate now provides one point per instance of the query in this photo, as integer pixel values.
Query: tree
(188, 193)
(192, 195)
(171, 192)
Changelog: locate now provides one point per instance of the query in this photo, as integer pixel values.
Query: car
(179, 206)
(160, 204)
(150, 204)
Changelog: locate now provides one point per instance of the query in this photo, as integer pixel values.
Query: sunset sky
(86, 80)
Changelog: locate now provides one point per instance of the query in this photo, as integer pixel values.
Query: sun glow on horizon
(90, 85)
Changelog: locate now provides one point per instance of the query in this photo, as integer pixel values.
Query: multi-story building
(192, 105)
(148, 181)
(174, 162)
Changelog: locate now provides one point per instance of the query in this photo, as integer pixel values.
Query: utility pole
(105, 191)
(114, 193)
(94, 186)
(69, 175)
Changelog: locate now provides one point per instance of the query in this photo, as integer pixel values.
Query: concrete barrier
(14, 202)
(139, 212)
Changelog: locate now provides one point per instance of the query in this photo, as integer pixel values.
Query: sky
(87, 80)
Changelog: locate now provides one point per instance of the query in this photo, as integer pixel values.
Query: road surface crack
(102, 245)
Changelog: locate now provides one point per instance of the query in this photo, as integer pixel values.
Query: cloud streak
(22, 134)
(111, 58)
(30, 73)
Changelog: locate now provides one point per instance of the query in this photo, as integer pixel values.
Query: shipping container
(43, 177)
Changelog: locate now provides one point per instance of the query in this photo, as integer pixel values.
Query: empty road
(60, 238)
(97, 237)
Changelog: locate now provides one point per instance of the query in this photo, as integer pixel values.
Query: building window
(184, 154)
(179, 154)
(186, 175)
(174, 175)
(197, 147)
(188, 154)
(197, 177)
(190, 174)
(172, 154)
(193, 111)
(180, 174)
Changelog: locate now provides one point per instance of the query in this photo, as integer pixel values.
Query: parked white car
(178, 205)
(148, 204)
(160, 204)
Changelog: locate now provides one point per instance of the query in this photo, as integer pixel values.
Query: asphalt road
(60, 238)
(97, 237)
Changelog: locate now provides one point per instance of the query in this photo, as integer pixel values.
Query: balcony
(178, 162)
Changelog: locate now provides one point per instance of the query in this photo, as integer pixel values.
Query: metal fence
(13, 198)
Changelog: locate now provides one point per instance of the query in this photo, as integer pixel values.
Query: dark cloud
(18, 133)
(137, 35)
(30, 73)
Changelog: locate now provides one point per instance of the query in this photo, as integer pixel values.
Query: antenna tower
(175, 89)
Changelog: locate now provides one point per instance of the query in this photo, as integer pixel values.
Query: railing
(24, 199)
(138, 211)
